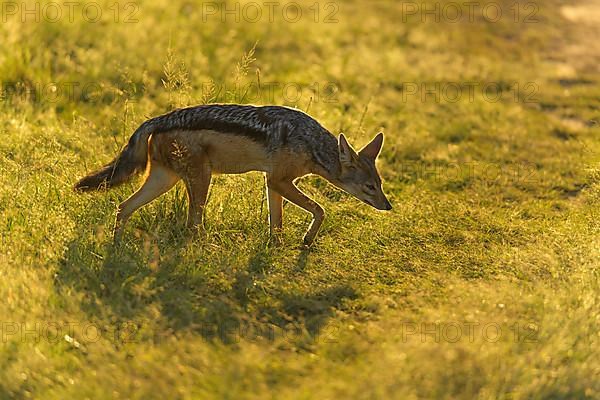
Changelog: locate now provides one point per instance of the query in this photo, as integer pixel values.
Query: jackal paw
(196, 231)
(306, 244)
(276, 240)
(117, 237)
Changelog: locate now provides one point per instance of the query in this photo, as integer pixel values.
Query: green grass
(482, 282)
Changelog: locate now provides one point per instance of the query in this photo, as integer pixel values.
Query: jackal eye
(370, 187)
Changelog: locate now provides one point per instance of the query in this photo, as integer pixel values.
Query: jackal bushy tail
(132, 160)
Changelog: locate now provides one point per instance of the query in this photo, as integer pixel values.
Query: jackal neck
(328, 166)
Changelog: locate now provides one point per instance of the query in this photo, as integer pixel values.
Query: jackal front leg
(288, 190)
(275, 213)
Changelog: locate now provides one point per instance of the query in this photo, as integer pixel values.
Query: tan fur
(195, 156)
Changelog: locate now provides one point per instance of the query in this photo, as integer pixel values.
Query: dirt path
(584, 53)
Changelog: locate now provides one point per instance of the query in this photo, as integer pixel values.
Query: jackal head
(359, 176)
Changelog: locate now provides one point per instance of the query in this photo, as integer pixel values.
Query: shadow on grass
(221, 300)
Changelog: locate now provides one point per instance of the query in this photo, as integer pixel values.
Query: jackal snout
(359, 175)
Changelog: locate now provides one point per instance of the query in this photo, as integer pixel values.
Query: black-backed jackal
(194, 143)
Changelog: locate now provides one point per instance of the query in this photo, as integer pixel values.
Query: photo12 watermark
(469, 91)
(68, 91)
(454, 12)
(270, 11)
(469, 332)
(69, 11)
(488, 173)
(273, 91)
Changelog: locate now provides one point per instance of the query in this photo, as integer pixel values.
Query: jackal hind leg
(288, 190)
(160, 179)
(197, 182)
(275, 201)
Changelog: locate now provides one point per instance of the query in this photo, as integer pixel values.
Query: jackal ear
(346, 152)
(373, 149)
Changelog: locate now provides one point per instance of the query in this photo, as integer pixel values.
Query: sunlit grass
(494, 226)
